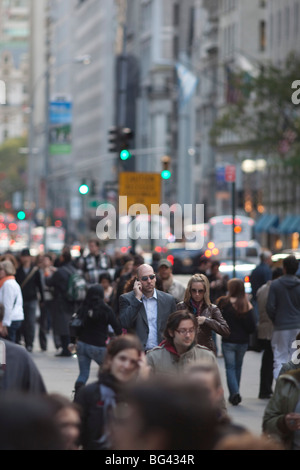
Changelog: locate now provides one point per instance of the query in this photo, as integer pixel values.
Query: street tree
(261, 113)
(12, 169)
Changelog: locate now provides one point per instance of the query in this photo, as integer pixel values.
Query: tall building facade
(77, 49)
(14, 47)
(158, 37)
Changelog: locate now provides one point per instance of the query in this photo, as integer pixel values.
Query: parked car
(245, 250)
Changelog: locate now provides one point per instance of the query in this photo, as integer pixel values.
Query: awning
(295, 226)
(287, 224)
(268, 223)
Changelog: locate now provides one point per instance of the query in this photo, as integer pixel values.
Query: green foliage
(263, 115)
(13, 166)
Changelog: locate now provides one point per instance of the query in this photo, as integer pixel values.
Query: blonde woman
(12, 299)
(209, 316)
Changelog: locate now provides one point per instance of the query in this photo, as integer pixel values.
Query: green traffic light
(21, 215)
(83, 189)
(166, 174)
(125, 155)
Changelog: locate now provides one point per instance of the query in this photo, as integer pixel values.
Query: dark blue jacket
(283, 304)
(260, 276)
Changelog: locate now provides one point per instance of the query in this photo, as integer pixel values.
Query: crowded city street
(150, 227)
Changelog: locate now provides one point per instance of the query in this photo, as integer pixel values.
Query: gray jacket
(133, 315)
(283, 304)
(165, 362)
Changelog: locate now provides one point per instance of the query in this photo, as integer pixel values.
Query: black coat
(32, 287)
(97, 315)
(93, 411)
(63, 309)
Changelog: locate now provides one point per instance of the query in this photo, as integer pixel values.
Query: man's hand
(137, 289)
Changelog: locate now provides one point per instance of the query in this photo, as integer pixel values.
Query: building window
(262, 35)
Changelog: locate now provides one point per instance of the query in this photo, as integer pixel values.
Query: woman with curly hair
(197, 301)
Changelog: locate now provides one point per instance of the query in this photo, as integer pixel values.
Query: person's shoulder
(15, 349)
(201, 351)
(128, 295)
(202, 347)
(155, 350)
(164, 295)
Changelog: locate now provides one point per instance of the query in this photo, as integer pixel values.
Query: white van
(247, 251)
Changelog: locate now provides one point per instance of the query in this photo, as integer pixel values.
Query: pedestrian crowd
(156, 343)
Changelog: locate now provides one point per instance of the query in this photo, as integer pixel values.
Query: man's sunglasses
(145, 278)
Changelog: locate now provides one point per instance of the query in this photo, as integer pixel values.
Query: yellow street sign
(139, 188)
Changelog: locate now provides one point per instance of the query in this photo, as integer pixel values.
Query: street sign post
(230, 176)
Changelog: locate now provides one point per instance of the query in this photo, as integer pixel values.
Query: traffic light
(21, 215)
(119, 141)
(125, 137)
(113, 139)
(83, 188)
(166, 162)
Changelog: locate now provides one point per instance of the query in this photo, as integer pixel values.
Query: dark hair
(118, 344)
(138, 260)
(174, 321)
(236, 289)
(105, 276)
(215, 263)
(276, 273)
(290, 264)
(66, 256)
(95, 240)
(27, 423)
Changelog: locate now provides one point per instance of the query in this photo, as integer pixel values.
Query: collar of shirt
(154, 296)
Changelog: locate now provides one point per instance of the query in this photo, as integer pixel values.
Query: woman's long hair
(236, 289)
(198, 278)
(94, 301)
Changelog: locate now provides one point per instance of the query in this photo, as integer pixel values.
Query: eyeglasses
(197, 291)
(145, 278)
(185, 332)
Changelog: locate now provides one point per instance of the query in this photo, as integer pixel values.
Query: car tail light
(171, 259)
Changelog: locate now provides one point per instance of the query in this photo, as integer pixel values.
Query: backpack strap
(29, 276)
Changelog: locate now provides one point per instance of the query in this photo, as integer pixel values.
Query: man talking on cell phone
(145, 310)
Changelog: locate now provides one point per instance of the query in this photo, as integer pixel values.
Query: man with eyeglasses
(179, 348)
(145, 310)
